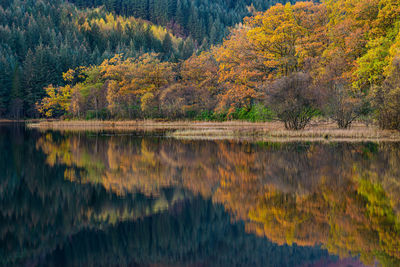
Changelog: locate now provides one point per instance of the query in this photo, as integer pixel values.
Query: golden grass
(269, 131)
(137, 124)
(277, 132)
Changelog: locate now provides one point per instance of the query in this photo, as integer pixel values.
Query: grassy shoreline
(268, 131)
(142, 124)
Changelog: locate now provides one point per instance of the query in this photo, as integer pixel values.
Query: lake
(145, 199)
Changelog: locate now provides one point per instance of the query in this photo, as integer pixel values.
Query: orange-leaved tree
(241, 70)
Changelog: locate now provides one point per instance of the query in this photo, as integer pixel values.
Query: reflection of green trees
(40, 209)
(197, 233)
(46, 219)
(343, 196)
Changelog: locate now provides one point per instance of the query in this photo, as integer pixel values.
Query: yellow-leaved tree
(286, 35)
(57, 101)
(135, 82)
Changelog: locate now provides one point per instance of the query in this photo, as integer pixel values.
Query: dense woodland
(39, 40)
(337, 59)
(207, 21)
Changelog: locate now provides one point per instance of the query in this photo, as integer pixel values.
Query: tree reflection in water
(93, 199)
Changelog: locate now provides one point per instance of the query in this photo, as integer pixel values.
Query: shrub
(256, 113)
(260, 113)
(344, 105)
(294, 100)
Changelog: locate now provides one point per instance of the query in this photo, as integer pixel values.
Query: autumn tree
(347, 31)
(179, 100)
(287, 35)
(382, 47)
(201, 72)
(241, 70)
(137, 81)
(57, 102)
(386, 99)
(117, 87)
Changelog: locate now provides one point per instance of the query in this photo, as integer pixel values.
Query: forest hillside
(39, 40)
(338, 59)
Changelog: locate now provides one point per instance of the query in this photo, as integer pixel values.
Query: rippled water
(140, 199)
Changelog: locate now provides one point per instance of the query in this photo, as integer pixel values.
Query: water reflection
(94, 199)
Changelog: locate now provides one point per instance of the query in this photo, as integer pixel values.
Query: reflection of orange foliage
(132, 167)
(236, 172)
(345, 198)
(330, 210)
(338, 217)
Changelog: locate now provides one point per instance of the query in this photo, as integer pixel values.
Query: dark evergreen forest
(204, 20)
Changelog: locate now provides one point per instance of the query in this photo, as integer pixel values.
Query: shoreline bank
(259, 131)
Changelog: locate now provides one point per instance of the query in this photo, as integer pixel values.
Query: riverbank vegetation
(317, 130)
(338, 59)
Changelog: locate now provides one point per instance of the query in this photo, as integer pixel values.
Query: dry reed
(229, 130)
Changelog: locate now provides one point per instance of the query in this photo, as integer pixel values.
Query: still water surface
(141, 199)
